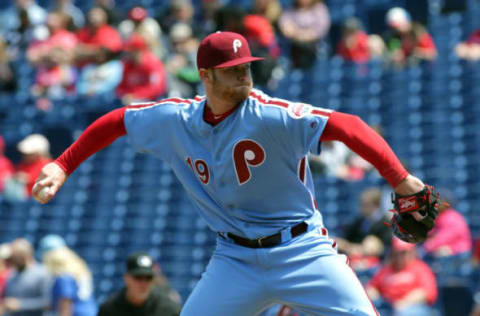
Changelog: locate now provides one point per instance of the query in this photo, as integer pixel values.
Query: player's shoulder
(281, 107)
(165, 105)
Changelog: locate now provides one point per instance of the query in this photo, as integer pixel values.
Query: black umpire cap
(140, 264)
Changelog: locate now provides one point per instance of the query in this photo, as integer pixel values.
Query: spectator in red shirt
(35, 150)
(97, 34)
(6, 166)
(407, 41)
(353, 45)
(405, 282)
(144, 75)
(470, 49)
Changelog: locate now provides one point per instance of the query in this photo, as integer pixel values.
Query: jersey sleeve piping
(148, 105)
(284, 104)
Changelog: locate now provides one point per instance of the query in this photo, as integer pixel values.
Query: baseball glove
(404, 225)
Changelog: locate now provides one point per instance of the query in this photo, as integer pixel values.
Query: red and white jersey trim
(147, 105)
(264, 99)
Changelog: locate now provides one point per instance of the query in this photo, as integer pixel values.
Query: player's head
(139, 276)
(223, 61)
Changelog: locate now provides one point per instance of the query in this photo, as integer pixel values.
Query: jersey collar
(213, 119)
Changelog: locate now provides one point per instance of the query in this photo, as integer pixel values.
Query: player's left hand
(410, 185)
(414, 228)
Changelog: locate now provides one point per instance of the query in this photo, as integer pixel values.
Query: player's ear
(205, 75)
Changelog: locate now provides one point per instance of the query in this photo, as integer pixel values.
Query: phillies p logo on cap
(224, 49)
(236, 45)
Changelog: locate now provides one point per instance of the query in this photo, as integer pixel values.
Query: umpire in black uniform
(146, 293)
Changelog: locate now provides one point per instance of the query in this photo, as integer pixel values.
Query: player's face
(232, 84)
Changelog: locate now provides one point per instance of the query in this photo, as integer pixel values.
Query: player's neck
(213, 119)
(218, 106)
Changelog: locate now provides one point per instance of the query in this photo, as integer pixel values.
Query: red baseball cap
(224, 49)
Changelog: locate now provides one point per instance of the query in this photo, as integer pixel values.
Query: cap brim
(238, 61)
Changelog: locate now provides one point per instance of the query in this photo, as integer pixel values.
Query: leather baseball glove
(404, 225)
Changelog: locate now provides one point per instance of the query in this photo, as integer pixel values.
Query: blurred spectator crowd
(143, 54)
(55, 280)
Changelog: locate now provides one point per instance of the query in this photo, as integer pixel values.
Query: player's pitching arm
(363, 140)
(97, 136)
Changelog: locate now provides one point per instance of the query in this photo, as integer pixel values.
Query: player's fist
(50, 180)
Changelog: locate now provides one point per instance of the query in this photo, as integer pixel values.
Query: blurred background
(408, 68)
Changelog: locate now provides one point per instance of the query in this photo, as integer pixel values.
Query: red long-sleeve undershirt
(349, 129)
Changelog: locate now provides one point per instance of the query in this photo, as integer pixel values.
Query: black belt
(267, 241)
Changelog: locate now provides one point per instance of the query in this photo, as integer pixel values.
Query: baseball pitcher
(241, 156)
